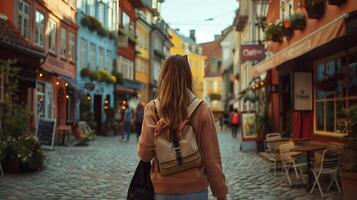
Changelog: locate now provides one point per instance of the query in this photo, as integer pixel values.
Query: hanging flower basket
(298, 21)
(337, 2)
(274, 33)
(288, 32)
(315, 8)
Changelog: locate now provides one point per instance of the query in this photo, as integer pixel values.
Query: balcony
(160, 24)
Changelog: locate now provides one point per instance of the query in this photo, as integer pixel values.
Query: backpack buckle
(177, 148)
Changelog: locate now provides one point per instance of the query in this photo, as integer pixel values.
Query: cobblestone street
(103, 171)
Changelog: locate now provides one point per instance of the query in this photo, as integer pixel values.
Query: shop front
(316, 76)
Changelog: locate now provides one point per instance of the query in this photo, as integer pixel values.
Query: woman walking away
(127, 125)
(179, 137)
(139, 116)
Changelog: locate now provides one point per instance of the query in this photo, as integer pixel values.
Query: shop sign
(248, 126)
(89, 86)
(302, 91)
(252, 52)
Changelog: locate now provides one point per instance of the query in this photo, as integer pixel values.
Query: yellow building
(187, 46)
(213, 91)
(142, 62)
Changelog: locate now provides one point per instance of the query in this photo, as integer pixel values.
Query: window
(286, 9)
(100, 57)
(91, 8)
(336, 86)
(110, 17)
(44, 98)
(23, 18)
(72, 47)
(63, 51)
(51, 32)
(138, 65)
(116, 16)
(101, 13)
(126, 22)
(126, 67)
(108, 60)
(92, 55)
(83, 53)
(40, 23)
(1, 87)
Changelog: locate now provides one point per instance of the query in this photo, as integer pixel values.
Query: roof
(212, 49)
(12, 38)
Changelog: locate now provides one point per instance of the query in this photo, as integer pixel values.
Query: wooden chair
(288, 161)
(270, 152)
(329, 165)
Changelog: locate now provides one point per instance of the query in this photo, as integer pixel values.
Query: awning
(333, 29)
(123, 89)
(73, 83)
(135, 85)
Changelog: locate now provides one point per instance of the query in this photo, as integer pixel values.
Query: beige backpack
(178, 152)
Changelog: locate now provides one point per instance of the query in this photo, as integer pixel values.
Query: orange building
(314, 67)
(50, 27)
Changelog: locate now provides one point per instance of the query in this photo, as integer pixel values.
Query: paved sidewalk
(104, 169)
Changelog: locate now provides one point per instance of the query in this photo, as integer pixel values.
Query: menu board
(46, 133)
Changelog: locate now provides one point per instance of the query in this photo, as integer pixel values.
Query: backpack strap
(193, 106)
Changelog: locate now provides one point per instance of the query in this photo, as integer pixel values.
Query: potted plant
(298, 21)
(274, 32)
(85, 72)
(315, 8)
(337, 2)
(348, 170)
(263, 126)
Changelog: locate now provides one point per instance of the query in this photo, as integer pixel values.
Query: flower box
(274, 33)
(298, 21)
(337, 2)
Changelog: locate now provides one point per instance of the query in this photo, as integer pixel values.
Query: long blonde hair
(174, 81)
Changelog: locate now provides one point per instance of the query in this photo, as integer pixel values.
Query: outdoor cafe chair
(329, 165)
(288, 161)
(271, 155)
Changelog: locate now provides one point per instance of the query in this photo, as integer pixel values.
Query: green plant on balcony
(106, 77)
(315, 8)
(94, 25)
(85, 72)
(298, 21)
(337, 2)
(159, 54)
(132, 38)
(119, 77)
(274, 32)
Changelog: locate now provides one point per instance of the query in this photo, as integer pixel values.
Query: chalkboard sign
(46, 133)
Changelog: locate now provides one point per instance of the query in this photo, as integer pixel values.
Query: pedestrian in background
(234, 122)
(175, 95)
(139, 116)
(127, 124)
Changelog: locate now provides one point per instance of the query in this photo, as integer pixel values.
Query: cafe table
(309, 149)
(64, 131)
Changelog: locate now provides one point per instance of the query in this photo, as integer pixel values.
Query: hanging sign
(252, 52)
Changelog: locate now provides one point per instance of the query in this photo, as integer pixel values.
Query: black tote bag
(141, 187)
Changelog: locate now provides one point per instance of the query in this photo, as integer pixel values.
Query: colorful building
(51, 27)
(213, 85)
(126, 51)
(96, 53)
(187, 46)
(314, 68)
(142, 63)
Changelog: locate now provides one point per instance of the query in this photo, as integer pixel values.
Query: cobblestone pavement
(104, 169)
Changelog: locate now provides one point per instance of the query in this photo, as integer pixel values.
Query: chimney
(217, 37)
(177, 29)
(193, 34)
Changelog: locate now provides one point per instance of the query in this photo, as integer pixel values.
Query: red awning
(334, 29)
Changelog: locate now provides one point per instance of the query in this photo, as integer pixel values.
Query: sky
(191, 14)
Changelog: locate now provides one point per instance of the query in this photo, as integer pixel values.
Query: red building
(126, 48)
(315, 69)
(50, 27)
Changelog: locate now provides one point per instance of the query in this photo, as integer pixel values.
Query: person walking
(234, 122)
(127, 125)
(175, 107)
(139, 117)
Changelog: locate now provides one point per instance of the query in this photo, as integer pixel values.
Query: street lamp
(261, 10)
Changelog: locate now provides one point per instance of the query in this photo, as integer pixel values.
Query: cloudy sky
(193, 14)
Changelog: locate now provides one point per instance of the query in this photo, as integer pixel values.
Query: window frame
(39, 29)
(92, 62)
(83, 51)
(63, 43)
(108, 60)
(71, 47)
(24, 30)
(335, 99)
(100, 57)
(48, 87)
(126, 25)
(52, 36)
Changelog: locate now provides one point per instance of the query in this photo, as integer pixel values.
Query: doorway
(285, 106)
(98, 113)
